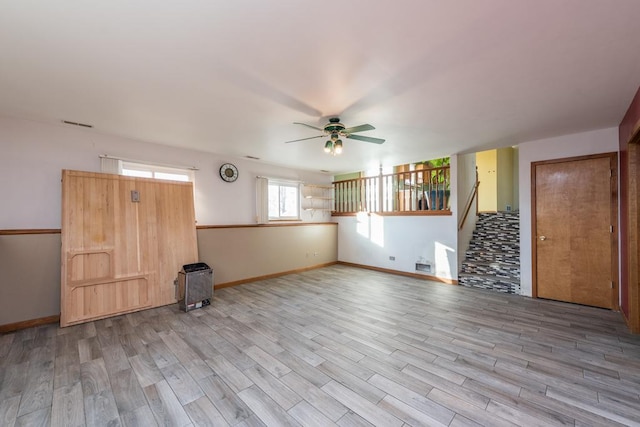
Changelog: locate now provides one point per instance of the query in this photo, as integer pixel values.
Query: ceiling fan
(334, 130)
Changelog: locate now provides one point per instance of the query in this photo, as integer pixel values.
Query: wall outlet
(392, 258)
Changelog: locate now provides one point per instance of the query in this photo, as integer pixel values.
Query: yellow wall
(346, 176)
(504, 178)
(498, 180)
(516, 179)
(486, 161)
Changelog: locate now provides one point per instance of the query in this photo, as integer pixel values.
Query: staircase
(493, 259)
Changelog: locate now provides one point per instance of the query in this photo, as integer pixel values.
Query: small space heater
(195, 286)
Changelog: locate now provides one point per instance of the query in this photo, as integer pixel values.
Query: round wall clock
(228, 172)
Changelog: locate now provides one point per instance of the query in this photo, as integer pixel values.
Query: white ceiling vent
(84, 125)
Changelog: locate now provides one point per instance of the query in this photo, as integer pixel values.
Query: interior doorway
(498, 174)
(574, 212)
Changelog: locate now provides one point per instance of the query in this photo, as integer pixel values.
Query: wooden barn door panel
(115, 254)
(175, 237)
(574, 216)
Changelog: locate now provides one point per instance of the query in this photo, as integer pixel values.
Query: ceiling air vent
(84, 125)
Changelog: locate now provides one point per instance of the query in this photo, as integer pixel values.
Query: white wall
(466, 181)
(32, 155)
(372, 239)
(580, 144)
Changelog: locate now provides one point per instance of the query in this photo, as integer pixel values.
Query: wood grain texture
(94, 376)
(15, 232)
(360, 405)
(574, 219)
(319, 399)
(276, 390)
(339, 345)
(166, 408)
(307, 415)
(183, 385)
(127, 391)
(120, 256)
(631, 293)
(100, 410)
(68, 408)
(203, 413)
(11, 327)
(265, 408)
(38, 388)
(628, 139)
(9, 410)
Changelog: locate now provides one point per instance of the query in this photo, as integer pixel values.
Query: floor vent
(425, 268)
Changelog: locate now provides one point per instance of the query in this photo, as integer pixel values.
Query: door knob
(543, 238)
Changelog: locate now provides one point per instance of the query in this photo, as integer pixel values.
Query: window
(137, 169)
(277, 199)
(284, 200)
(142, 170)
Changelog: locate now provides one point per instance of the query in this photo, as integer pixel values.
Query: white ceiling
(435, 77)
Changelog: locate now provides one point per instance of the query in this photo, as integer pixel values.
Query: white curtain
(111, 165)
(262, 200)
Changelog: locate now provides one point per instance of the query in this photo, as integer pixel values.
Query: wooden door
(574, 216)
(121, 255)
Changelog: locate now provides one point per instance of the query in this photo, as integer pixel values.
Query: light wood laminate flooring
(334, 346)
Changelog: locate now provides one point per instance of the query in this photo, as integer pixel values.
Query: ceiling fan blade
(304, 139)
(360, 128)
(309, 126)
(366, 139)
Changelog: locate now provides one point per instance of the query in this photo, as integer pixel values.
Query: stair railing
(416, 192)
(472, 196)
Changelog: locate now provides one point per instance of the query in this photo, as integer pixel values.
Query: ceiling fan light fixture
(334, 130)
(338, 146)
(328, 147)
